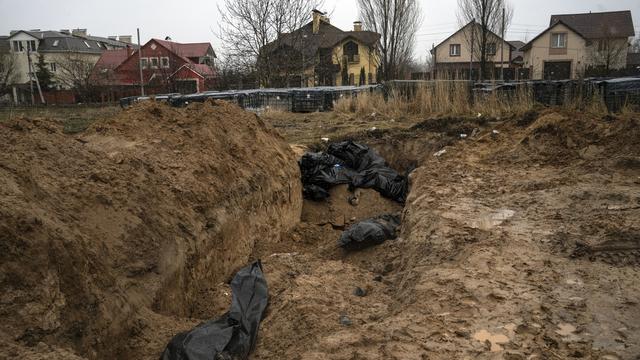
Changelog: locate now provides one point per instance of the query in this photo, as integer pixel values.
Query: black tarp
(348, 162)
(234, 334)
(369, 232)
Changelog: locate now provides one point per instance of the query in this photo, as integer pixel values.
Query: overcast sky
(196, 20)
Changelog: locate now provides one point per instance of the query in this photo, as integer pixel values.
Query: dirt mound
(115, 239)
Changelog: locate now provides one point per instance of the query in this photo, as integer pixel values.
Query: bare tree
(486, 21)
(397, 22)
(8, 70)
(75, 73)
(607, 54)
(247, 26)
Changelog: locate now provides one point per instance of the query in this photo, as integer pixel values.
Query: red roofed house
(166, 67)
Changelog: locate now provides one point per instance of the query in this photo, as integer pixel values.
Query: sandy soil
(519, 241)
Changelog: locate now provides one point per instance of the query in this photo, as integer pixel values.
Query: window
(55, 43)
(53, 67)
(164, 62)
(154, 62)
(454, 50)
(31, 45)
(86, 43)
(18, 46)
(350, 51)
(559, 40)
(97, 43)
(491, 48)
(144, 62)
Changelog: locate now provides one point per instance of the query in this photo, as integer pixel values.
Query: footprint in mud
(493, 219)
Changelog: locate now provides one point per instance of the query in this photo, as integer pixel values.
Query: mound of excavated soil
(113, 240)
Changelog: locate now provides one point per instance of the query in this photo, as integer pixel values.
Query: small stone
(358, 291)
(344, 320)
(377, 278)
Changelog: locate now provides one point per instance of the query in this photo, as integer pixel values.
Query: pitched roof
(517, 44)
(528, 45)
(598, 25)
(110, 59)
(462, 28)
(70, 43)
(327, 37)
(187, 50)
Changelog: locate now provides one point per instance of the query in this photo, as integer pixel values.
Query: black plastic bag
(350, 163)
(369, 232)
(234, 334)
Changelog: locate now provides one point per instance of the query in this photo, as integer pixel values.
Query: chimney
(79, 32)
(65, 31)
(357, 26)
(318, 16)
(125, 38)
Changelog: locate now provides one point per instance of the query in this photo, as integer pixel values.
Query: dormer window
(86, 43)
(55, 43)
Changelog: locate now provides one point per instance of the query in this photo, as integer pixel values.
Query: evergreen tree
(363, 77)
(45, 77)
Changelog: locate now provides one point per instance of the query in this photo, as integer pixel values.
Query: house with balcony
(68, 54)
(320, 54)
(576, 45)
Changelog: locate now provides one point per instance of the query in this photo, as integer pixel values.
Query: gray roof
(517, 44)
(598, 25)
(75, 43)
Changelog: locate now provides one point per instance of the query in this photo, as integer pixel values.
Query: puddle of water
(495, 339)
(492, 219)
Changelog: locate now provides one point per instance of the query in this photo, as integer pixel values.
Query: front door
(557, 70)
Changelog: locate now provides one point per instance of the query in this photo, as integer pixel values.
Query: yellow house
(320, 54)
(575, 44)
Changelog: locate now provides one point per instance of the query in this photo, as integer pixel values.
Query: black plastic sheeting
(234, 334)
(348, 162)
(369, 232)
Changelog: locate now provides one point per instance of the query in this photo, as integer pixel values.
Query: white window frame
(452, 47)
(151, 59)
(162, 62)
(555, 40)
(18, 46)
(31, 45)
(87, 44)
(53, 67)
(144, 62)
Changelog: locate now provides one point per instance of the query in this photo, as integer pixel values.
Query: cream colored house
(320, 54)
(67, 55)
(453, 56)
(574, 45)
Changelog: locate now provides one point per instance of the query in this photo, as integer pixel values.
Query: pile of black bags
(350, 163)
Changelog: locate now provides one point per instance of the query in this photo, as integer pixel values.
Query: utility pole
(502, 49)
(33, 99)
(140, 64)
(473, 31)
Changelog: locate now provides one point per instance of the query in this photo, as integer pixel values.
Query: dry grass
(74, 118)
(455, 98)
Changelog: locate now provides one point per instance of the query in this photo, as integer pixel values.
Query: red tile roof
(110, 59)
(186, 50)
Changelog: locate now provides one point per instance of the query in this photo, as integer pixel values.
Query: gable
(460, 38)
(558, 26)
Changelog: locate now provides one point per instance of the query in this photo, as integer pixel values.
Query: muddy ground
(519, 241)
